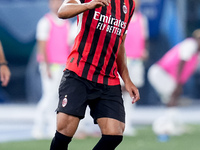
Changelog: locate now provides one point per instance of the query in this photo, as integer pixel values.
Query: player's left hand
(133, 91)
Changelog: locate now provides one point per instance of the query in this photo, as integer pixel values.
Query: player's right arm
(71, 8)
(124, 73)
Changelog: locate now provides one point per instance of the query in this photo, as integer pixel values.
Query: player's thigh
(111, 126)
(67, 124)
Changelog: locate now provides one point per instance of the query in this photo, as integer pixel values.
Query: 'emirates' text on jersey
(96, 46)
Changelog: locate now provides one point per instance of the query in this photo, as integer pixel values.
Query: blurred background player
(173, 70)
(4, 70)
(168, 76)
(136, 51)
(53, 45)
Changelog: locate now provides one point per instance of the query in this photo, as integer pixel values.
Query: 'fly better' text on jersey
(109, 23)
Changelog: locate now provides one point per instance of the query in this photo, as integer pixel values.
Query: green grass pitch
(144, 140)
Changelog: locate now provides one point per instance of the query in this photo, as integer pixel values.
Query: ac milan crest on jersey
(64, 102)
(125, 8)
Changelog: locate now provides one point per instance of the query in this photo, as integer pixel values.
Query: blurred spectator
(168, 76)
(173, 70)
(53, 49)
(136, 51)
(4, 70)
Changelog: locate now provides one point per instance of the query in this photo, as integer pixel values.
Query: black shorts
(76, 93)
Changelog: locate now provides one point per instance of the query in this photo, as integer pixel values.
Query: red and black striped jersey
(96, 46)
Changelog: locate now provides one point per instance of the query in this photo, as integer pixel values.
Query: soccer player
(91, 74)
(4, 70)
(53, 48)
(173, 70)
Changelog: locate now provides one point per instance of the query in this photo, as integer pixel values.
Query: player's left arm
(123, 71)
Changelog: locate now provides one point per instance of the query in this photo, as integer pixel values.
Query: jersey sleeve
(131, 16)
(43, 28)
(187, 49)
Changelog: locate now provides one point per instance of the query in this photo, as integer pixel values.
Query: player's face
(54, 5)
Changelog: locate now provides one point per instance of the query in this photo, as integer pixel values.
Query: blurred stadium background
(170, 21)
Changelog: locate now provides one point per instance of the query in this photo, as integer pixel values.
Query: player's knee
(119, 130)
(67, 124)
(111, 127)
(66, 130)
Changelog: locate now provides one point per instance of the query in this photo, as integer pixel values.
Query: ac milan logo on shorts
(64, 102)
(124, 8)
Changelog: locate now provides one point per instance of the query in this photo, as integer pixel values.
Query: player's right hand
(97, 3)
